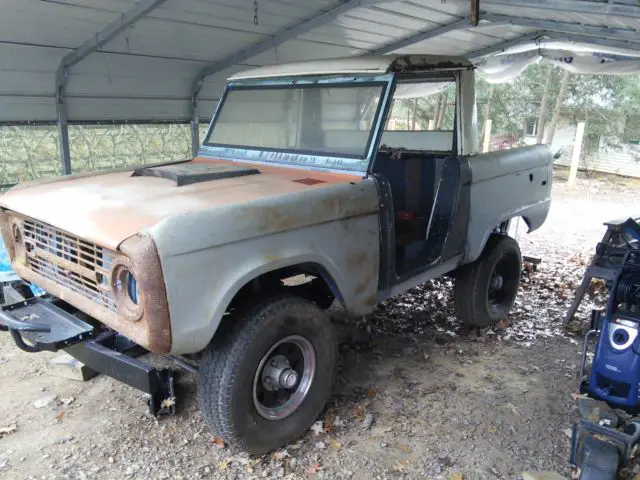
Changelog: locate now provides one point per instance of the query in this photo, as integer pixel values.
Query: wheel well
(505, 227)
(308, 280)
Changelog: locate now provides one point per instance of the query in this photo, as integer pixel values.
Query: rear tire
(486, 289)
(266, 380)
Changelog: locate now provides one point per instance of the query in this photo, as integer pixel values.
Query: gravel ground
(418, 395)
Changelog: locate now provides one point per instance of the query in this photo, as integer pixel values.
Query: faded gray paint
(505, 185)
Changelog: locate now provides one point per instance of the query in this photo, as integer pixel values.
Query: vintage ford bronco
(303, 173)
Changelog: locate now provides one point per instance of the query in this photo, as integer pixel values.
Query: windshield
(332, 120)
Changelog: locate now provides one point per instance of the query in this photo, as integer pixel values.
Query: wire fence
(31, 152)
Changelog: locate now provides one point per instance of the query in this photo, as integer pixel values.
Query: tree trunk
(487, 109)
(556, 109)
(443, 110)
(436, 117)
(543, 106)
(415, 114)
(408, 107)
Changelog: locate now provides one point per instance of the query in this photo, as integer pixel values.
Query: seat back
(411, 176)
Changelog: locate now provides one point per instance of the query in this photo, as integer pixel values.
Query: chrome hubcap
(284, 377)
(277, 374)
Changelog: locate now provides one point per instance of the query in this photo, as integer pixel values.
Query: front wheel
(264, 382)
(486, 289)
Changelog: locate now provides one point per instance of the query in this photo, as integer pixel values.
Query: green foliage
(609, 104)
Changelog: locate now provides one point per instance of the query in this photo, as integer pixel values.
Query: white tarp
(575, 57)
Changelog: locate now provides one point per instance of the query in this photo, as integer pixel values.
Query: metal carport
(66, 61)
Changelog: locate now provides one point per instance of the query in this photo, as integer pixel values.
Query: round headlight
(132, 287)
(19, 247)
(127, 293)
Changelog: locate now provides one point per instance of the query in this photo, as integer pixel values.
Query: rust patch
(309, 181)
(357, 260)
(148, 272)
(5, 229)
(370, 301)
(359, 267)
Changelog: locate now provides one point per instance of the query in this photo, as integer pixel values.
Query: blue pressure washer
(608, 427)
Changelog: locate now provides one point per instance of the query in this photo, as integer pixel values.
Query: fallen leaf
(314, 469)
(457, 476)
(335, 445)
(403, 447)
(7, 430)
(223, 464)
(358, 412)
(218, 442)
(400, 466)
(367, 421)
(280, 454)
(370, 392)
(60, 415)
(317, 428)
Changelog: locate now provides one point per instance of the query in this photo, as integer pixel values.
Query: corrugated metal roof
(148, 70)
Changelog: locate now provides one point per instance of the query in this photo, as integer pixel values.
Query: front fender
(201, 284)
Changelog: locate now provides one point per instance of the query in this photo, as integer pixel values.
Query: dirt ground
(422, 397)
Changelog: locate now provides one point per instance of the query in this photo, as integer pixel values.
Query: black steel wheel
(264, 382)
(486, 289)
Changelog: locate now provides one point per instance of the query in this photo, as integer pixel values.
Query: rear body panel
(504, 185)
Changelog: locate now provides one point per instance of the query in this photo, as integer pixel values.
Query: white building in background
(620, 159)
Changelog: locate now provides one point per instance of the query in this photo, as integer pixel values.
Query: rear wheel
(264, 382)
(486, 289)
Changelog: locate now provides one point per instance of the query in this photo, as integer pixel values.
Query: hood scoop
(188, 173)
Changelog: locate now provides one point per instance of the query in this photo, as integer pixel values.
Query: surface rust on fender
(145, 261)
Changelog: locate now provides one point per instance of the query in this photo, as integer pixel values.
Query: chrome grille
(81, 266)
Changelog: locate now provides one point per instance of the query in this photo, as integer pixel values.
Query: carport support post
(575, 159)
(97, 41)
(195, 125)
(486, 144)
(63, 130)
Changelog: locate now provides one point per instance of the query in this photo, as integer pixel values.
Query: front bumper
(40, 324)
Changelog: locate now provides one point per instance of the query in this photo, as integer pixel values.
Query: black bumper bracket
(131, 371)
(38, 324)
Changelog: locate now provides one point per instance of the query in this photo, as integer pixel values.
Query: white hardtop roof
(362, 64)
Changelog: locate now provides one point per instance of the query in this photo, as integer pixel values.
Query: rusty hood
(108, 208)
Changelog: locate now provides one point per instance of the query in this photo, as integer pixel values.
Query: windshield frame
(305, 159)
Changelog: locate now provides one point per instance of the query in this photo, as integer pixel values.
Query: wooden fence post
(575, 159)
(486, 144)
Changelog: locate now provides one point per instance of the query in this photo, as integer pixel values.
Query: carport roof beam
(572, 6)
(425, 35)
(110, 31)
(602, 42)
(564, 27)
(505, 45)
(258, 48)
